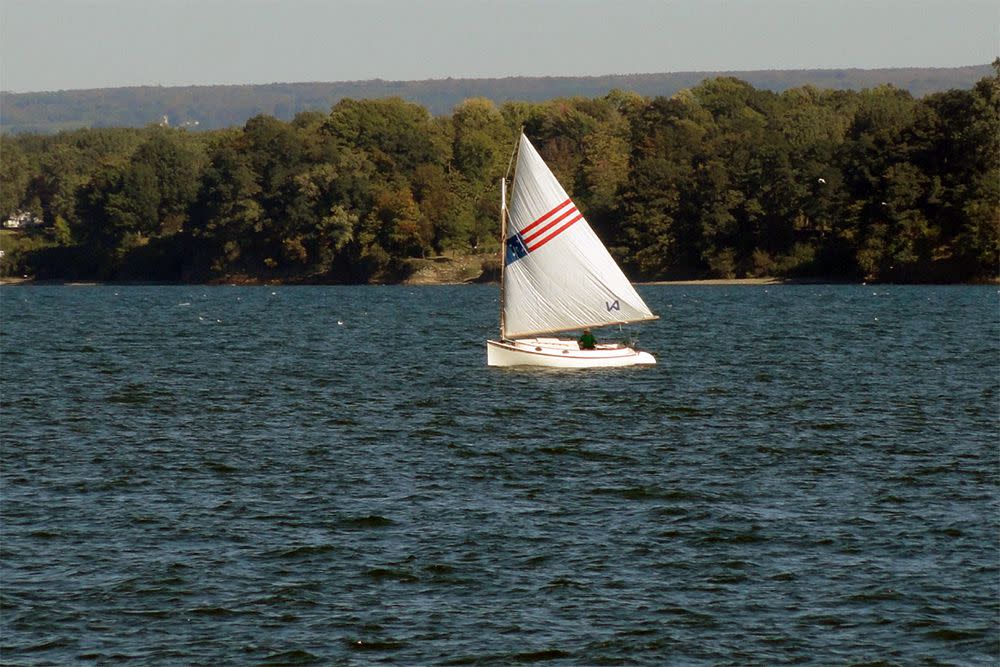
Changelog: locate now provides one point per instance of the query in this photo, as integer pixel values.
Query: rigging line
(510, 163)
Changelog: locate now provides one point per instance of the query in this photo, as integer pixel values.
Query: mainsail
(557, 274)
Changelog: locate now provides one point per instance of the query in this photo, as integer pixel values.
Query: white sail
(557, 274)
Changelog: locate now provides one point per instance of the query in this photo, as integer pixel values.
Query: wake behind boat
(556, 276)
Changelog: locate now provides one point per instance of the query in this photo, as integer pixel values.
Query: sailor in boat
(587, 340)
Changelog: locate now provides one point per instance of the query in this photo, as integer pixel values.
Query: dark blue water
(332, 475)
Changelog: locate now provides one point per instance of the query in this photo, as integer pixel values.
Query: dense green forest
(719, 180)
(216, 107)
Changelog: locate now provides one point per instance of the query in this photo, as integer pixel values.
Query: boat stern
(644, 359)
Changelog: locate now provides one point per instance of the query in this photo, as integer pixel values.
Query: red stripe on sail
(570, 211)
(556, 233)
(543, 218)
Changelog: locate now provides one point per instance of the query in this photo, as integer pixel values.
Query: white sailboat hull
(561, 353)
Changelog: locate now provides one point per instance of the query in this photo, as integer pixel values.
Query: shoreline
(424, 282)
(737, 281)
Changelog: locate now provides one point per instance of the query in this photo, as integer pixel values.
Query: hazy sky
(63, 44)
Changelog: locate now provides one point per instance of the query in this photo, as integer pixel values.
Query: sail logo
(613, 305)
(541, 231)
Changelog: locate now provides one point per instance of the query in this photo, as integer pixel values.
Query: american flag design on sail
(541, 231)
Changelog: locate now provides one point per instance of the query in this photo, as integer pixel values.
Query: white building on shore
(22, 219)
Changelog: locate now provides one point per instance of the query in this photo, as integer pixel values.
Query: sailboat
(556, 276)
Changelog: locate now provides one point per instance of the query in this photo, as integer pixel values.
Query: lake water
(332, 475)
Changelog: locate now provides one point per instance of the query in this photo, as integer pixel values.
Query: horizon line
(493, 78)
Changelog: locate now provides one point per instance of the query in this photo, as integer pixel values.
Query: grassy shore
(726, 281)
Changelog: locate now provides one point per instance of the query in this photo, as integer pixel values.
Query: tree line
(216, 107)
(719, 180)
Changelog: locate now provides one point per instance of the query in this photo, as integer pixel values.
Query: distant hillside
(212, 107)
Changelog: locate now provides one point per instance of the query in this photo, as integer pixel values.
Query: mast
(503, 231)
(503, 248)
